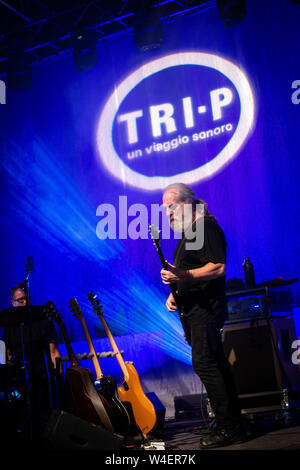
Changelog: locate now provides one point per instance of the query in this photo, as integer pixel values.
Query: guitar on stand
(143, 410)
(84, 401)
(104, 384)
(156, 241)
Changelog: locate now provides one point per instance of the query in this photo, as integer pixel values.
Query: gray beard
(181, 226)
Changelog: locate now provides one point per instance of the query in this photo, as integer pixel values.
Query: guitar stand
(85, 355)
(134, 442)
(143, 442)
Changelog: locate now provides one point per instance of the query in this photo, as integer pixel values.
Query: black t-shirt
(43, 333)
(205, 298)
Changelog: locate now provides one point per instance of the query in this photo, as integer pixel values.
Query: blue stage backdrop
(214, 107)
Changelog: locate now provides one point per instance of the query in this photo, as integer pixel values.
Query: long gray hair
(187, 196)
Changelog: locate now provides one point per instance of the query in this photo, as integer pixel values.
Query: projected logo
(182, 117)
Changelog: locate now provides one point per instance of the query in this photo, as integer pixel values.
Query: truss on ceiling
(43, 29)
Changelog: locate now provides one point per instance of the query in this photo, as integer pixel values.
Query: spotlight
(19, 71)
(232, 12)
(147, 30)
(84, 51)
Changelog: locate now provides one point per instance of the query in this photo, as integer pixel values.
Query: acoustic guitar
(143, 410)
(105, 384)
(156, 241)
(83, 399)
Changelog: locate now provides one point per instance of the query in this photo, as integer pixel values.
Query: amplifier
(258, 302)
(259, 352)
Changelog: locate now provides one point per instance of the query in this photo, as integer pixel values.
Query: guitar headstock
(154, 234)
(95, 304)
(51, 311)
(75, 308)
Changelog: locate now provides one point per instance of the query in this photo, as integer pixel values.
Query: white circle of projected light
(116, 166)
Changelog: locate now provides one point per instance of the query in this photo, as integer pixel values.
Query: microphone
(29, 267)
(29, 264)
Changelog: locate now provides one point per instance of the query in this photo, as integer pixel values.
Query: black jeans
(211, 365)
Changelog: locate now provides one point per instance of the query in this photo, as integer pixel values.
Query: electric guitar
(105, 384)
(156, 241)
(83, 399)
(143, 410)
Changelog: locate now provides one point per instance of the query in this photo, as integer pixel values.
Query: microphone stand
(27, 367)
(28, 427)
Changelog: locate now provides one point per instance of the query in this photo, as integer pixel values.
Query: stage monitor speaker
(65, 431)
(259, 352)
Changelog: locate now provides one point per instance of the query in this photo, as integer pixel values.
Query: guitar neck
(175, 295)
(165, 266)
(95, 360)
(71, 354)
(161, 256)
(115, 348)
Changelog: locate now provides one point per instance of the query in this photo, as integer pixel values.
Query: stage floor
(267, 433)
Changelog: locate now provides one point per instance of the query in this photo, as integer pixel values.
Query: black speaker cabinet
(259, 352)
(65, 431)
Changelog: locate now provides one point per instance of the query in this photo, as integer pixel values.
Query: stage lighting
(232, 12)
(19, 71)
(147, 30)
(84, 51)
